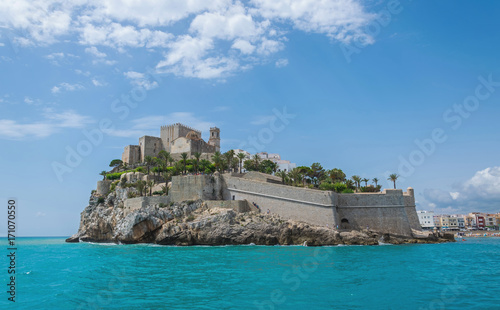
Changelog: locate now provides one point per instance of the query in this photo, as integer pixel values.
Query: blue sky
(360, 81)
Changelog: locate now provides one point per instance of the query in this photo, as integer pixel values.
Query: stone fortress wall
(391, 211)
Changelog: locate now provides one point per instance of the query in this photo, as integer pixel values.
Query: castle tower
(215, 138)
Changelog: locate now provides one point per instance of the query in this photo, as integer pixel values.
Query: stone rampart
(194, 187)
(139, 202)
(103, 187)
(236, 205)
(391, 211)
(312, 206)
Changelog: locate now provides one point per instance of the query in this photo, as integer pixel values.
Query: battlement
(180, 125)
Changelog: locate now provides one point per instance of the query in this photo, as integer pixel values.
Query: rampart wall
(391, 211)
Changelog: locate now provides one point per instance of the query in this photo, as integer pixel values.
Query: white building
(283, 165)
(426, 219)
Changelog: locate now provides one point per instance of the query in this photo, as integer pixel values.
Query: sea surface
(52, 274)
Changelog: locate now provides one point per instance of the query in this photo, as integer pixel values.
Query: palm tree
(164, 155)
(151, 184)
(375, 180)
(167, 176)
(184, 161)
(366, 181)
(197, 156)
(216, 158)
(357, 179)
(241, 156)
(140, 185)
(283, 176)
(149, 161)
(256, 161)
(103, 173)
(393, 177)
(229, 158)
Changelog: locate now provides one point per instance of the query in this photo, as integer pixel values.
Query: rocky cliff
(193, 223)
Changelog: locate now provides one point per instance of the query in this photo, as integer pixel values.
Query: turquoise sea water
(52, 274)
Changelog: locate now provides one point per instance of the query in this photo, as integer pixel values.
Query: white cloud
(40, 214)
(55, 55)
(140, 80)
(198, 38)
(280, 63)
(244, 46)
(94, 51)
(28, 100)
(67, 87)
(343, 20)
(2, 44)
(84, 73)
(187, 58)
(97, 83)
(117, 35)
(151, 124)
(52, 123)
(479, 193)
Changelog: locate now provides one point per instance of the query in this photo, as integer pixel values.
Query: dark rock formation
(193, 223)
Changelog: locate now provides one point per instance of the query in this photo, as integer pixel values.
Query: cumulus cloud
(280, 63)
(198, 38)
(140, 80)
(94, 51)
(66, 86)
(480, 193)
(52, 122)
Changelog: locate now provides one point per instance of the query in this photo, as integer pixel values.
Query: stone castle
(175, 139)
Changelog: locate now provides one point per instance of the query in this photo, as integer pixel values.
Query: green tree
(205, 164)
(375, 180)
(151, 184)
(283, 175)
(228, 156)
(350, 184)
(256, 161)
(140, 186)
(317, 173)
(241, 156)
(357, 180)
(103, 173)
(116, 163)
(217, 160)
(393, 177)
(196, 162)
(305, 172)
(164, 155)
(148, 160)
(337, 175)
(184, 161)
(268, 166)
(249, 165)
(366, 181)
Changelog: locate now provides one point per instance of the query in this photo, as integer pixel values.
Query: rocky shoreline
(194, 223)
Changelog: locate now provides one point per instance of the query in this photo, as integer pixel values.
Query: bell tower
(215, 138)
